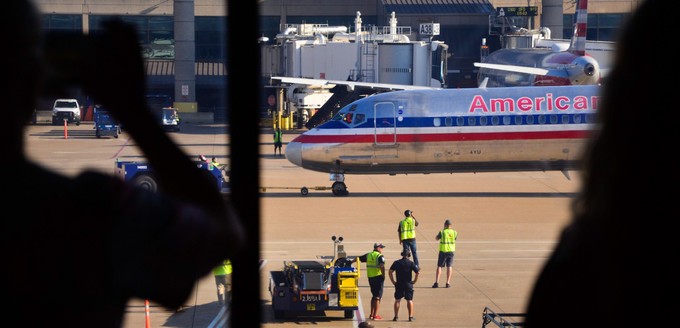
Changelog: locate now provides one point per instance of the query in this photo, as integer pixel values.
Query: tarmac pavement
(508, 223)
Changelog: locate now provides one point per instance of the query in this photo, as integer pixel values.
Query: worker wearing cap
(407, 234)
(447, 246)
(403, 283)
(375, 270)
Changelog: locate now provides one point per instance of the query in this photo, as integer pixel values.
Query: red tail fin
(578, 41)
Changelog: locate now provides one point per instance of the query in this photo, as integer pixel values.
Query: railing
(502, 319)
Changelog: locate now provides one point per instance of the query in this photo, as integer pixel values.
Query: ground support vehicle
(303, 190)
(141, 174)
(305, 287)
(105, 124)
(65, 110)
(169, 118)
(162, 107)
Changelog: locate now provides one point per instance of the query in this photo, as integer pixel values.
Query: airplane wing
(514, 68)
(350, 84)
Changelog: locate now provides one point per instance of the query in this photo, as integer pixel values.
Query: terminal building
(184, 41)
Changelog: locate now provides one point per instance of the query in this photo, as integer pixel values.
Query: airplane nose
(294, 153)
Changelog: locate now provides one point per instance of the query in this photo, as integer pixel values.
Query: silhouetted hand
(115, 72)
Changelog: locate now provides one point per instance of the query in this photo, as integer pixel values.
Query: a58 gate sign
(429, 29)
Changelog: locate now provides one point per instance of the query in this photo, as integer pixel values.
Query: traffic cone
(147, 314)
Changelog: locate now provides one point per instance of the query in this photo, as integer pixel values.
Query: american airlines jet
(451, 130)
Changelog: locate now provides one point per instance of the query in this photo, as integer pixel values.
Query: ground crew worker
(214, 163)
(407, 234)
(375, 271)
(403, 283)
(278, 140)
(222, 275)
(447, 246)
(223, 170)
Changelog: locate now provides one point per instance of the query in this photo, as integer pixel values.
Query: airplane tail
(578, 40)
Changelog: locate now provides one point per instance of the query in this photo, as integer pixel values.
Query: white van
(66, 109)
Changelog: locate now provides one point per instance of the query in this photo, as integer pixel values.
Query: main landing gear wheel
(145, 182)
(339, 189)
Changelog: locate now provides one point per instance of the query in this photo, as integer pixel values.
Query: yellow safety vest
(372, 267)
(408, 228)
(222, 269)
(447, 242)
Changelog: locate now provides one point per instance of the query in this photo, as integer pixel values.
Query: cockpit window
(351, 118)
(348, 118)
(345, 116)
(359, 118)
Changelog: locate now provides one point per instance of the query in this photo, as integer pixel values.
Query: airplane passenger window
(577, 118)
(448, 121)
(471, 121)
(483, 120)
(460, 121)
(553, 119)
(437, 121)
(495, 120)
(506, 120)
(530, 119)
(589, 118)
(518, 120)
(565, 118)
(541, 119)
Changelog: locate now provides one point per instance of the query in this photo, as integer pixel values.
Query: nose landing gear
(339, 188)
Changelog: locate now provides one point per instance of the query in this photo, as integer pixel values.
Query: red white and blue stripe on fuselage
(453, 130)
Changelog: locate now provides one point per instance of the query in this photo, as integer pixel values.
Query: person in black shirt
(403, 285)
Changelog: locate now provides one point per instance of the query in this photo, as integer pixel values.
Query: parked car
(65, 109)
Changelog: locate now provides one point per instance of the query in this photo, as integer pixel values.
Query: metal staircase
(340, 98)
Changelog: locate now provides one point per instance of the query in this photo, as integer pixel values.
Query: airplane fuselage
(453, 130)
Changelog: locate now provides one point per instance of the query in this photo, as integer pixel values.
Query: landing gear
(339, 188)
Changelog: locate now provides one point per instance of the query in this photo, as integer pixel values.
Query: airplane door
(385, 127)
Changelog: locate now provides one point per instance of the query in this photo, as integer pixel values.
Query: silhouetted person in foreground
(77, 249)
(612, 265)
